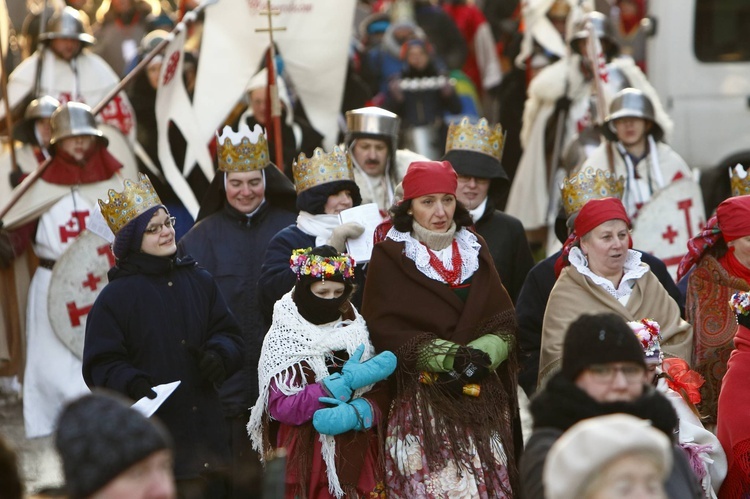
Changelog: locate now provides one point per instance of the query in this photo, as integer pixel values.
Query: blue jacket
(231, 247)
(277, 278)
(151, 319)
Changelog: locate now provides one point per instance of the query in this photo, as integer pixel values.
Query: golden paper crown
(244, 150)
(480, 138)
(590, 184)
(136, 198)
(321, 168)
(739, 180)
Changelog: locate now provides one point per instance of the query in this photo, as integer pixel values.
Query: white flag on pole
(173, 105)
(314, 48)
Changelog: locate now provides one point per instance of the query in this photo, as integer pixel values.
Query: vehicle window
(722, 30)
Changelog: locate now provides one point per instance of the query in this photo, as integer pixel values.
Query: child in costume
(316, 375)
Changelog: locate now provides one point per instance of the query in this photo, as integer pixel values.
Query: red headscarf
(734, 217)
(429, 177)
(594, 213)
(732, 221)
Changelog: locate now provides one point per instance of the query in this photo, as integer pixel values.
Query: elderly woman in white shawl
(316, 377)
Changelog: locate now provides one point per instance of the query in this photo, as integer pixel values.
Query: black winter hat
(599, 339)
(129, 238)
(313, 200)
(99, 436)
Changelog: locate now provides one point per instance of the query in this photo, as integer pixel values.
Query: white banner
(314, 48)
(173, 104)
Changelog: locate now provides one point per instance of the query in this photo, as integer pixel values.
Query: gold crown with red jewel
(322, 168)
(739, 180)
(590, 184)
(244, 150)
(136, 198)
(479, 137)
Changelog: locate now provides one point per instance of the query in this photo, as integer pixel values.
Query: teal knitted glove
(356, 374)
(342, 417)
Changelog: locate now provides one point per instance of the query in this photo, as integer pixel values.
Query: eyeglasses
(156, 228)
(605, 373)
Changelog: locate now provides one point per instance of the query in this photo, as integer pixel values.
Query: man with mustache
(372, 139)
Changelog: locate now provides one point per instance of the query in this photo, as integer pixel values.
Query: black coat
(151, 319)
(562, 404)
(231, 247)
(532, 302)
(277, 279)
(509, 248)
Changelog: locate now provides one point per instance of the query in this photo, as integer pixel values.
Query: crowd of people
(195, 353)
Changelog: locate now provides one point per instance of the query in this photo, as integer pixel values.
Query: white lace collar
(632, 270)
(468, 246)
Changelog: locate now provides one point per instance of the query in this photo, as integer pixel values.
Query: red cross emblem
(74, 226)
(117, 113)
(174, 60)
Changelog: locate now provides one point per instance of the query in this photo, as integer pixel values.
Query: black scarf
(562, 404)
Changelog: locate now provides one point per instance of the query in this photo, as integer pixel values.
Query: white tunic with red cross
(88, 79)
(53, 373)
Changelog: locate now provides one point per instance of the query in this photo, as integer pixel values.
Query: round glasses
(156, 228)
(605, 373)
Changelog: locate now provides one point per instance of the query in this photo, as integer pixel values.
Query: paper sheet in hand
(147, 406)
(369, 217)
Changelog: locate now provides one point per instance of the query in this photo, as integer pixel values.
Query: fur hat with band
(99, 436)
(599, 339)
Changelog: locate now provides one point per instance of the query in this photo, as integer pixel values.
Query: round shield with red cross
(668, 221)
(77, 279)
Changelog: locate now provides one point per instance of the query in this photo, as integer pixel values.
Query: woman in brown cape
(434, 298)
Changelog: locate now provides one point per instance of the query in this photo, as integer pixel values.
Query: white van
(698, 59)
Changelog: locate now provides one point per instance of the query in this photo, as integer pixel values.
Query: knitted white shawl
(290, 342)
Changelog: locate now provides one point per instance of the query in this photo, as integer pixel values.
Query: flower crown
(303, 263)
(648, 333)
(740, 303)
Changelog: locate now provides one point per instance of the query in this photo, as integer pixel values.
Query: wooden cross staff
(273, 89)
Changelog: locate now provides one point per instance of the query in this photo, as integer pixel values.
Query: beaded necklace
(452, 277)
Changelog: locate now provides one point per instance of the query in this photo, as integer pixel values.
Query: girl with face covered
(316, 375)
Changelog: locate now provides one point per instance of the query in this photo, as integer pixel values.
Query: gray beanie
(99, 436)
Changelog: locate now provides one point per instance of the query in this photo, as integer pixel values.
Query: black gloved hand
(140, 387)
(212, 367)
(472, 364)
(6, 250)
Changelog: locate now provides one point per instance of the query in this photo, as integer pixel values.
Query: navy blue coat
(231, 247)
(508, 246)
(150, 320)
(532, 302)
(277, 278)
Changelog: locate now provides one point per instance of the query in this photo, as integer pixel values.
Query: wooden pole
(273, 89)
